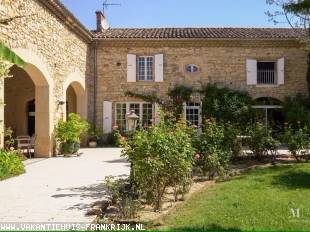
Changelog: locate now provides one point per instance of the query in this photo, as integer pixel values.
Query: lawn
(260, 199)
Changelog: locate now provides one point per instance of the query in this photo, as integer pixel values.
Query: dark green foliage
(301, 6)
(10, 164)
(68, 133)
(123, 196)
(213, 150)
(9, 141)
(261, 142)
(296, 111)
(298, 142)
(160, 157)
(308, 72)
(178, 96)
(226, 105)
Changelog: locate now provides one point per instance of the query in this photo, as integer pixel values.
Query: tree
(297, 14)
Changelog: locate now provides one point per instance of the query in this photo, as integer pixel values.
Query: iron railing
(266, 77)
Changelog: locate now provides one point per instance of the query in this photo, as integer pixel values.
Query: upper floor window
(145, 68)
(266, 73)
(191, 68)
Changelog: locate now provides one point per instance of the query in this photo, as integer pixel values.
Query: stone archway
(38, 72)
(74, 92)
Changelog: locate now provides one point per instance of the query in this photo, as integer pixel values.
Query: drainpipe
(95, 83)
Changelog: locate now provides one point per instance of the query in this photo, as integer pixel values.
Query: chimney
(102, 23)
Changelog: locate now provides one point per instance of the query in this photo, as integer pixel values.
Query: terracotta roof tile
(200, 33)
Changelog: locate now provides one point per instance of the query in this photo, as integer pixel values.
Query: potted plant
(94, 135)
(68, 134)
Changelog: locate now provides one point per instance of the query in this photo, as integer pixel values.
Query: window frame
(145, 68)
(275, 83)
(195, 107)
(141, 115)
(192, 66)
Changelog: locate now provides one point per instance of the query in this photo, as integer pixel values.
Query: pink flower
(115, 127)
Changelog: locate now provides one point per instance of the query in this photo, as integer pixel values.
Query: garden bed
(260, 199)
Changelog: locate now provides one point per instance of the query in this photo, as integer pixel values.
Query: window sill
(267, 86)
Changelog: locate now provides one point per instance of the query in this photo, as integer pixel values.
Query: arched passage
(40, 89)
(75, 95)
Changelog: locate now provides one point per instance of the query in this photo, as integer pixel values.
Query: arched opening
(75, 96)
(19, 90)
(270, 111)
(71, 101)
(30, 89)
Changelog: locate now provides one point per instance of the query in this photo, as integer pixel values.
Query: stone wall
(223, 63)
(42, 32)
(58, 51)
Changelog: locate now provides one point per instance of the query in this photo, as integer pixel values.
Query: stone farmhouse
(73, 69)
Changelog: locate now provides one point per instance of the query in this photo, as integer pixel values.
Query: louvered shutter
(159, 68)
(131, 68)
(280, 71)
(251, 71)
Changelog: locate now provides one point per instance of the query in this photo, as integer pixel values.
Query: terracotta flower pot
(92, 144)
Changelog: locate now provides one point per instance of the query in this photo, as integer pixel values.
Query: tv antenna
(106, 4)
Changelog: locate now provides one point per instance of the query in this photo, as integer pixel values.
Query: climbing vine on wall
(177, 96)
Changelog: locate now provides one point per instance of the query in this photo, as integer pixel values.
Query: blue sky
(175, 13)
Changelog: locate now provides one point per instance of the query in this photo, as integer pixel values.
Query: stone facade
(68, 63)
(52, 47)
(221, 62)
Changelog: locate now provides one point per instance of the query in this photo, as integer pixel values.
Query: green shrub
(94, 133)
(123, 196)
(9, 141)
(298, 142)
(296, 111)
(160, 157)
(261, 142)
(232, 142)
(213, 152)
(10, 164)
(226, 105)
(68, 133)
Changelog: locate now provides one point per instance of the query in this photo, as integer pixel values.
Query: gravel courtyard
(59, 189)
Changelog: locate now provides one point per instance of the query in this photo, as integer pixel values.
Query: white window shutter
(251, 71)
(280, 71)
(107, 117)
(131, 68)
(159, 68)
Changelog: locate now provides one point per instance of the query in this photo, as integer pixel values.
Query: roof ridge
(151, 28)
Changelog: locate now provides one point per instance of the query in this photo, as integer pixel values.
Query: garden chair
(26, 143)
(32, 144)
